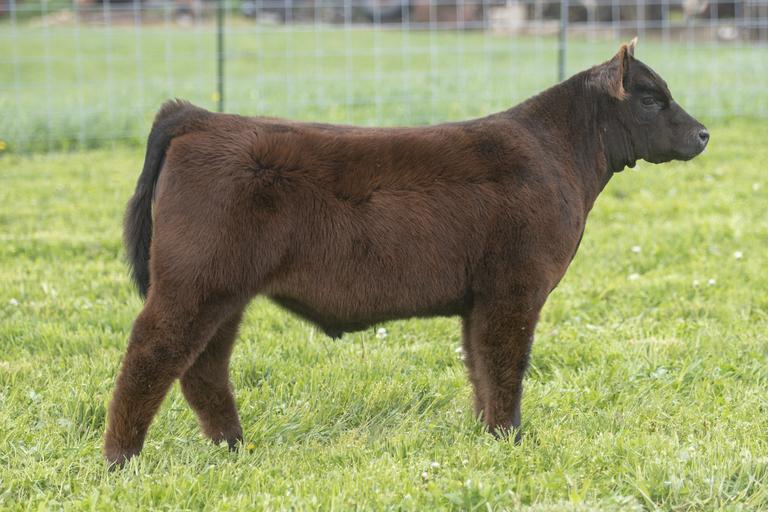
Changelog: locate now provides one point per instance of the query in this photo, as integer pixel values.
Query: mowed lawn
(648, 385)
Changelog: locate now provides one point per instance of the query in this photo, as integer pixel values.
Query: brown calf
(348, 227)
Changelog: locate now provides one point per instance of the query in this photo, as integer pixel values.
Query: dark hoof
(116, 459)
(235, 443)
(505, 433)
(334, 334)
(233, 438)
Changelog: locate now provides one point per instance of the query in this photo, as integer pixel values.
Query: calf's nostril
(704, 136)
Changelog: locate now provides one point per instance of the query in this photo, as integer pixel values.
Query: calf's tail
(174, 118)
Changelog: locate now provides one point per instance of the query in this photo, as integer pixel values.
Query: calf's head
(640, 118)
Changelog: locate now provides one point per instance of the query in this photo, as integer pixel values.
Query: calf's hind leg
(206, 386)
(167, 337)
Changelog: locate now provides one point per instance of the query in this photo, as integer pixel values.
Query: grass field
(648, 386)
(84, 86)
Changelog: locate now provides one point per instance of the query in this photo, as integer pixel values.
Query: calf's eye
(649, 101)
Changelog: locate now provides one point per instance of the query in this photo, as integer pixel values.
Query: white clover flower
(435, 465)
(633, 277)
(425, 476)
(738, 255)
(712, 282)
(381, 333)
(636, 249)
(13, 302)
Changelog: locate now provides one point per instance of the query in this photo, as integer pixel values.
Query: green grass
(85, 86)
(648, 386)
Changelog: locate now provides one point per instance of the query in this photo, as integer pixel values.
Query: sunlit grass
(648, 384)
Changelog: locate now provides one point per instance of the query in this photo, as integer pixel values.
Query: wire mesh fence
(92, 73)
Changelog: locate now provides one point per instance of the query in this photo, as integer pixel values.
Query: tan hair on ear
(610, 76)
(631, 46)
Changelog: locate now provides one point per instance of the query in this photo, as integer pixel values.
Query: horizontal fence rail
(92, 73)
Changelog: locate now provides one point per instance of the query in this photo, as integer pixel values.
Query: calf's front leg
(497, 343)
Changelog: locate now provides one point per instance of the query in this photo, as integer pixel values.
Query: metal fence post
(562, 41)
(220, 54)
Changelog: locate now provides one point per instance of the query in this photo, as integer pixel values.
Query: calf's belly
(352, 295)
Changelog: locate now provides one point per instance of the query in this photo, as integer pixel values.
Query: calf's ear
(631, 46)
(610, 76)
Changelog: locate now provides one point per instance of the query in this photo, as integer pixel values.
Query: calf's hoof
(234, 438)
(235, 443)
(117, 458)
(504, 433)
(118, 452)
